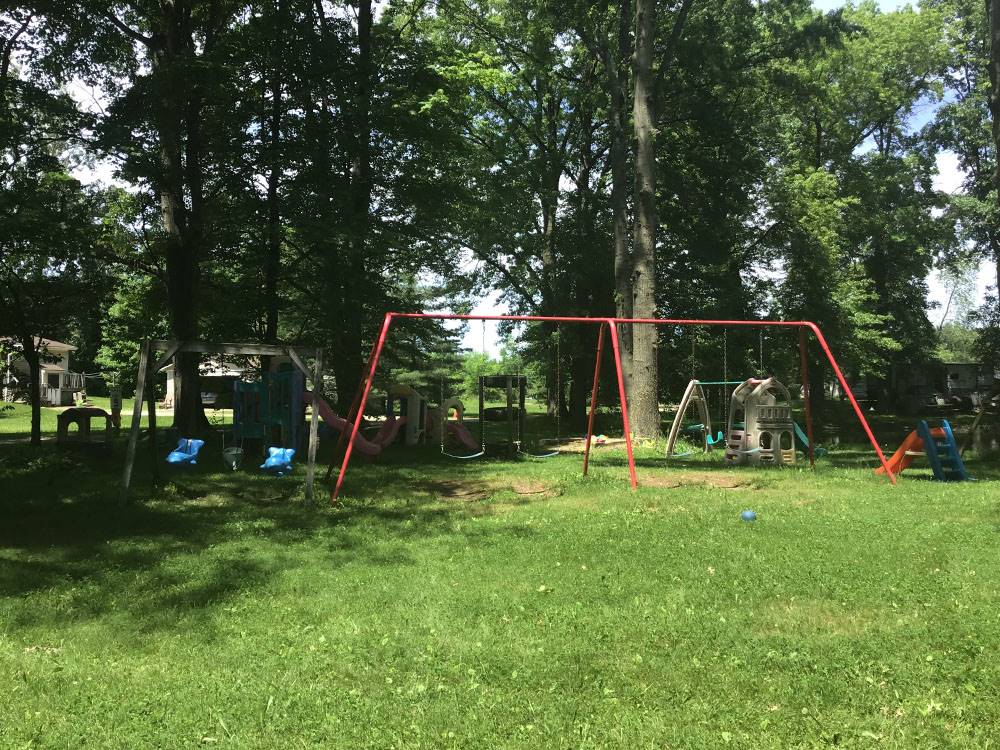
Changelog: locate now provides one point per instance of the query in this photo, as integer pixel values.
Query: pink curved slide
(462, 434)
(386, 434)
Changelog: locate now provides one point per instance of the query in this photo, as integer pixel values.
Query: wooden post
(522, 387)
(972, 430)
(154, 463)
(510, 417)
(482, 420)
(314, 425)
(133, 437)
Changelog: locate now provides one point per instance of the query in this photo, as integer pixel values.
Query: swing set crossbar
(610, 325)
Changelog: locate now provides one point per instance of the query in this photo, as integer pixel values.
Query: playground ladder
(942, 453)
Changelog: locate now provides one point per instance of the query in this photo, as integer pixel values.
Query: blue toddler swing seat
(279, 461)
(186, 452)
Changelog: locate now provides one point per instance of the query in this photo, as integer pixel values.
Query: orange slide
(903, 456)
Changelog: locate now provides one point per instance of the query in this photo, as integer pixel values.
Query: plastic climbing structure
(760, 426)
(269, 410)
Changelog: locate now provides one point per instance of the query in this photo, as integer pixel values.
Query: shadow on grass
(196, 542)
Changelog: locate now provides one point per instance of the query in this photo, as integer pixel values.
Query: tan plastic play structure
(412, 406)
(693, 394)
(438, 415)
(760, 430)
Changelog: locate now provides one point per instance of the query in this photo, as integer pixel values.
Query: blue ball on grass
(748, 515)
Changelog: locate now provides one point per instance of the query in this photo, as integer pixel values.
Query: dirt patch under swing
(478, 490)
(722, 481)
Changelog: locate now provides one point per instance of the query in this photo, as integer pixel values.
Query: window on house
(52, 379)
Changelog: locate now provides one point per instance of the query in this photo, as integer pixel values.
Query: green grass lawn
(15, 423)
(497, 604)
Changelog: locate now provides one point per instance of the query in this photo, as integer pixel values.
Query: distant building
(942, 381)
(59, 386)
(964, 378)
(216, 377)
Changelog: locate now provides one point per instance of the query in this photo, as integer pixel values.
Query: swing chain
(694, 339)
(482, 422)
(558, 381)
(725, 369)
(761, 336)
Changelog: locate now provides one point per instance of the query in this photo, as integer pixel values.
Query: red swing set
(610, 325)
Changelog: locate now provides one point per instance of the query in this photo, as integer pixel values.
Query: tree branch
(667, 56)
(127, 30)
(8, 50)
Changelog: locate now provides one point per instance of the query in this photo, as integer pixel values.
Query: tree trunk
(348, 370)
(34, 387)
(182, 227)
(993, 12)
(591, 289)
(618, 94)
(644, 407)
(546, 118)
(581, 370)
(272, 259)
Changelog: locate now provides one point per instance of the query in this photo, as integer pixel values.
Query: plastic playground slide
(803, 438)
(462, 434)
(904, 455)
(386, 434)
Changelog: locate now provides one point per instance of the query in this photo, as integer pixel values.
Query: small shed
(963, 378)
(217, 378)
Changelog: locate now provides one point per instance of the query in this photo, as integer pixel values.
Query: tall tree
(852, 202)
(644, 393)
(993, 12)
(965, 124)
(47, 221)
(177, 40)
(644, 397)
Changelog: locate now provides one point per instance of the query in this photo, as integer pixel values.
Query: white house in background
(59, 385)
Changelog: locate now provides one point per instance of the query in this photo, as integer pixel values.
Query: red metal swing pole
(376, 353)
(806, 400)
(351, 413)
(621, 397)
(850, 396)
(593, 398)
(536, 318)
